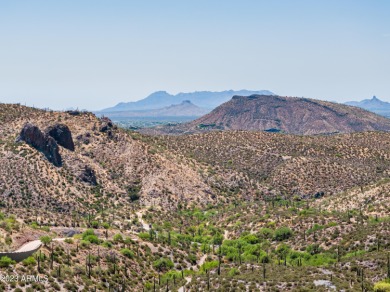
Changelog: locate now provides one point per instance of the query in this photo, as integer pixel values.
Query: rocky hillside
(288, 165)
(292, 115)
(74, 161)
(225, 211)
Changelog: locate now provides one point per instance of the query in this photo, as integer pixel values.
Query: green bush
(383, 286)
(127, 253)
(144, 235)
(282, 233)
(45, 239)
(87, 233)
(69, 240)
(251, 239)
(209, 266)
(163, 264)
(6, 262)
(266, 233)
(84, 243)
(95, 224)
(233, 271)
(30, 261)
(92, 239)
(118, 238)
(107, 244)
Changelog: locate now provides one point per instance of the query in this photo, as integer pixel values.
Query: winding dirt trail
(144, 224)
(195, 268)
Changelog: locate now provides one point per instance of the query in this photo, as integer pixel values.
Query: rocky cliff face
(41, 141)
(62, 135)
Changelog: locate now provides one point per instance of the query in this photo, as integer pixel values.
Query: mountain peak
(374, 104)
(293, 115)
(204, 99)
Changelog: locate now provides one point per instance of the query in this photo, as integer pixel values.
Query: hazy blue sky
(94, 54)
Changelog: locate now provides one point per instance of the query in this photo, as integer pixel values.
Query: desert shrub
(233, 271)
(118, 238)
(107, 244)
(45, 239)
(69, 240)
(266, 233)
(6, 262)
(92, 239)
(84, 243)
(251, 239)
(282, 233)
(163, 263)
(144, 235)
(207, 266)
(30, 261)
(383, 286)
(89, 235)
(127, 253)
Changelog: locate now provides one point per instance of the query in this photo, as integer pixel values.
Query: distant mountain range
(291, 115)
(161, 99)
(374, 105)
(185, 109)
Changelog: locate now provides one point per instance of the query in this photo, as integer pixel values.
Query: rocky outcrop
(88, 175)
(84, 138)
(41, 141)
(62, 135)
(106, 125)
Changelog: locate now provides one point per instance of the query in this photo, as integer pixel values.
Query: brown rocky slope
(291, 115)
(107, 168)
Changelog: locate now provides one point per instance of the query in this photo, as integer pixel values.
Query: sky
(92, 54)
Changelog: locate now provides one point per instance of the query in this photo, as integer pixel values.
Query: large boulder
(106, 125)
(62, 135)
(88, 175)
(41, 141)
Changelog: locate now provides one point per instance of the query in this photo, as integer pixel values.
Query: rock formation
(62, 135)
(88, 176)
(41, 141)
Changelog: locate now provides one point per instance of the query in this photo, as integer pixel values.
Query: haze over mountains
(185, 109)
(374, 105)
(291, 115)
(160, 99)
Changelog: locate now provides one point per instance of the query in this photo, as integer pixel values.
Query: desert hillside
(291, 115)
(107, 163)
(288, 165)
(219, 211)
